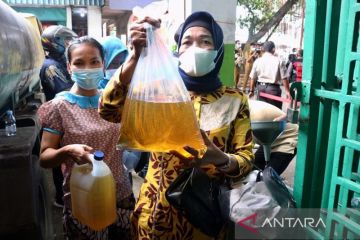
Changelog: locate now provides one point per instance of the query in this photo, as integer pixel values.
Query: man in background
(269, 73)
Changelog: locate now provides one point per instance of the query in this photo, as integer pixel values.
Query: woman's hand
(137, 34)
(79, 153)
(213, 154)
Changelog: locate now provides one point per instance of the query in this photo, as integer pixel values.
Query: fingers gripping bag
(158, 114)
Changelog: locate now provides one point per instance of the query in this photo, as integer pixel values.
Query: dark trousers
(142, 166)
(58, 179)
(273, 89)
(278, 160)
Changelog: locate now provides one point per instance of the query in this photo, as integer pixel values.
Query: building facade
(82, 16)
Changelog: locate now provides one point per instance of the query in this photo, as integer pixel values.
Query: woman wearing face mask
(223, 114)
(115, 55)
(72, 129)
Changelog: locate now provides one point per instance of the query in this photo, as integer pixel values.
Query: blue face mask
(87, 78)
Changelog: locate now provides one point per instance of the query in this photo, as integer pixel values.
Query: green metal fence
(328, 170)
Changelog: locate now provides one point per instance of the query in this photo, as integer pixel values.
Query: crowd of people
(246, 54)
(260, 64)
(86, 83)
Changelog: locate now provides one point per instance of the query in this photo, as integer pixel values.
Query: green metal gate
(328, 170)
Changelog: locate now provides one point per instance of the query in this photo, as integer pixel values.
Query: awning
(56, 2)
(48, 14)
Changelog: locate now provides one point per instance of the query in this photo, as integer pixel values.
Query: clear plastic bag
(158, 114)
(263, 198)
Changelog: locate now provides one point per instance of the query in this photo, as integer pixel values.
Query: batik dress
(76, 119)
(224, 115)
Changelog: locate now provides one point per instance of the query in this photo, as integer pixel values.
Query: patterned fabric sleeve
(240, 139)
(50, 117)
(113, 98)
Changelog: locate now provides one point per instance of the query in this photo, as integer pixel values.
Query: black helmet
(53, 38)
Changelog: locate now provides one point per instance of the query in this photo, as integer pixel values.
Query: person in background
(239, 62)
(222, 112)
(53, 74)
(290, 69)
(284, 147)
(268, 73)
(251, 53)
(298, 65)
(115, 55)
(72, 129)
(55, 78)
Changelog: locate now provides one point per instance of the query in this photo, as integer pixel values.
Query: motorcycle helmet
(54, 38)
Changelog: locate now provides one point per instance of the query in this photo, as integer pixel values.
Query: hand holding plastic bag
(158, 114)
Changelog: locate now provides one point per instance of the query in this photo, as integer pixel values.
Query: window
(79, 21)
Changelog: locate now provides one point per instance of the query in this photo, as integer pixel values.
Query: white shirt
(268, 69)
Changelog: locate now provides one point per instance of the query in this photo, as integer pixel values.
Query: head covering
(53, 39)
(112, 47)
(210, 81)
(269, 46)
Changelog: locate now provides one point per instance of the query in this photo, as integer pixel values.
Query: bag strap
(259, 175)
(253, 164)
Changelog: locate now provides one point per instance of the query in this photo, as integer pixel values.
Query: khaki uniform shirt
(268, 69)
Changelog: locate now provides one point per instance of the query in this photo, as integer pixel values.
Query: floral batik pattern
(224, 115)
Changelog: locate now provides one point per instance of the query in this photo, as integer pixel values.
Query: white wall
(94, 22)
(177, 11)
(224, 12)
(68, 18)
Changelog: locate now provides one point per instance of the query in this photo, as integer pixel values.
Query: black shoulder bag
(195, 195)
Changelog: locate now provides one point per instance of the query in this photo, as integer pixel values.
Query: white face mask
(197, 62)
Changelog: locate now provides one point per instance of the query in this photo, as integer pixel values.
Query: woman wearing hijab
(223, 115)
(115, 55)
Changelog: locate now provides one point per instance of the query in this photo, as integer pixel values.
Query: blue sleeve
(131, 159)
(54, 80)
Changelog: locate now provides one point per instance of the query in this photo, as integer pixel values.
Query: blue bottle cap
(98, 155)
(9, 112)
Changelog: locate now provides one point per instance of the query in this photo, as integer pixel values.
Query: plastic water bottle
(93, 195)
(10, 124)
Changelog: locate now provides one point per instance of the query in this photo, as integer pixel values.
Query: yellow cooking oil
(160, 127)
(93, 197)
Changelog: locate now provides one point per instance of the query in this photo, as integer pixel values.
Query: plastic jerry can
(93, 197)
